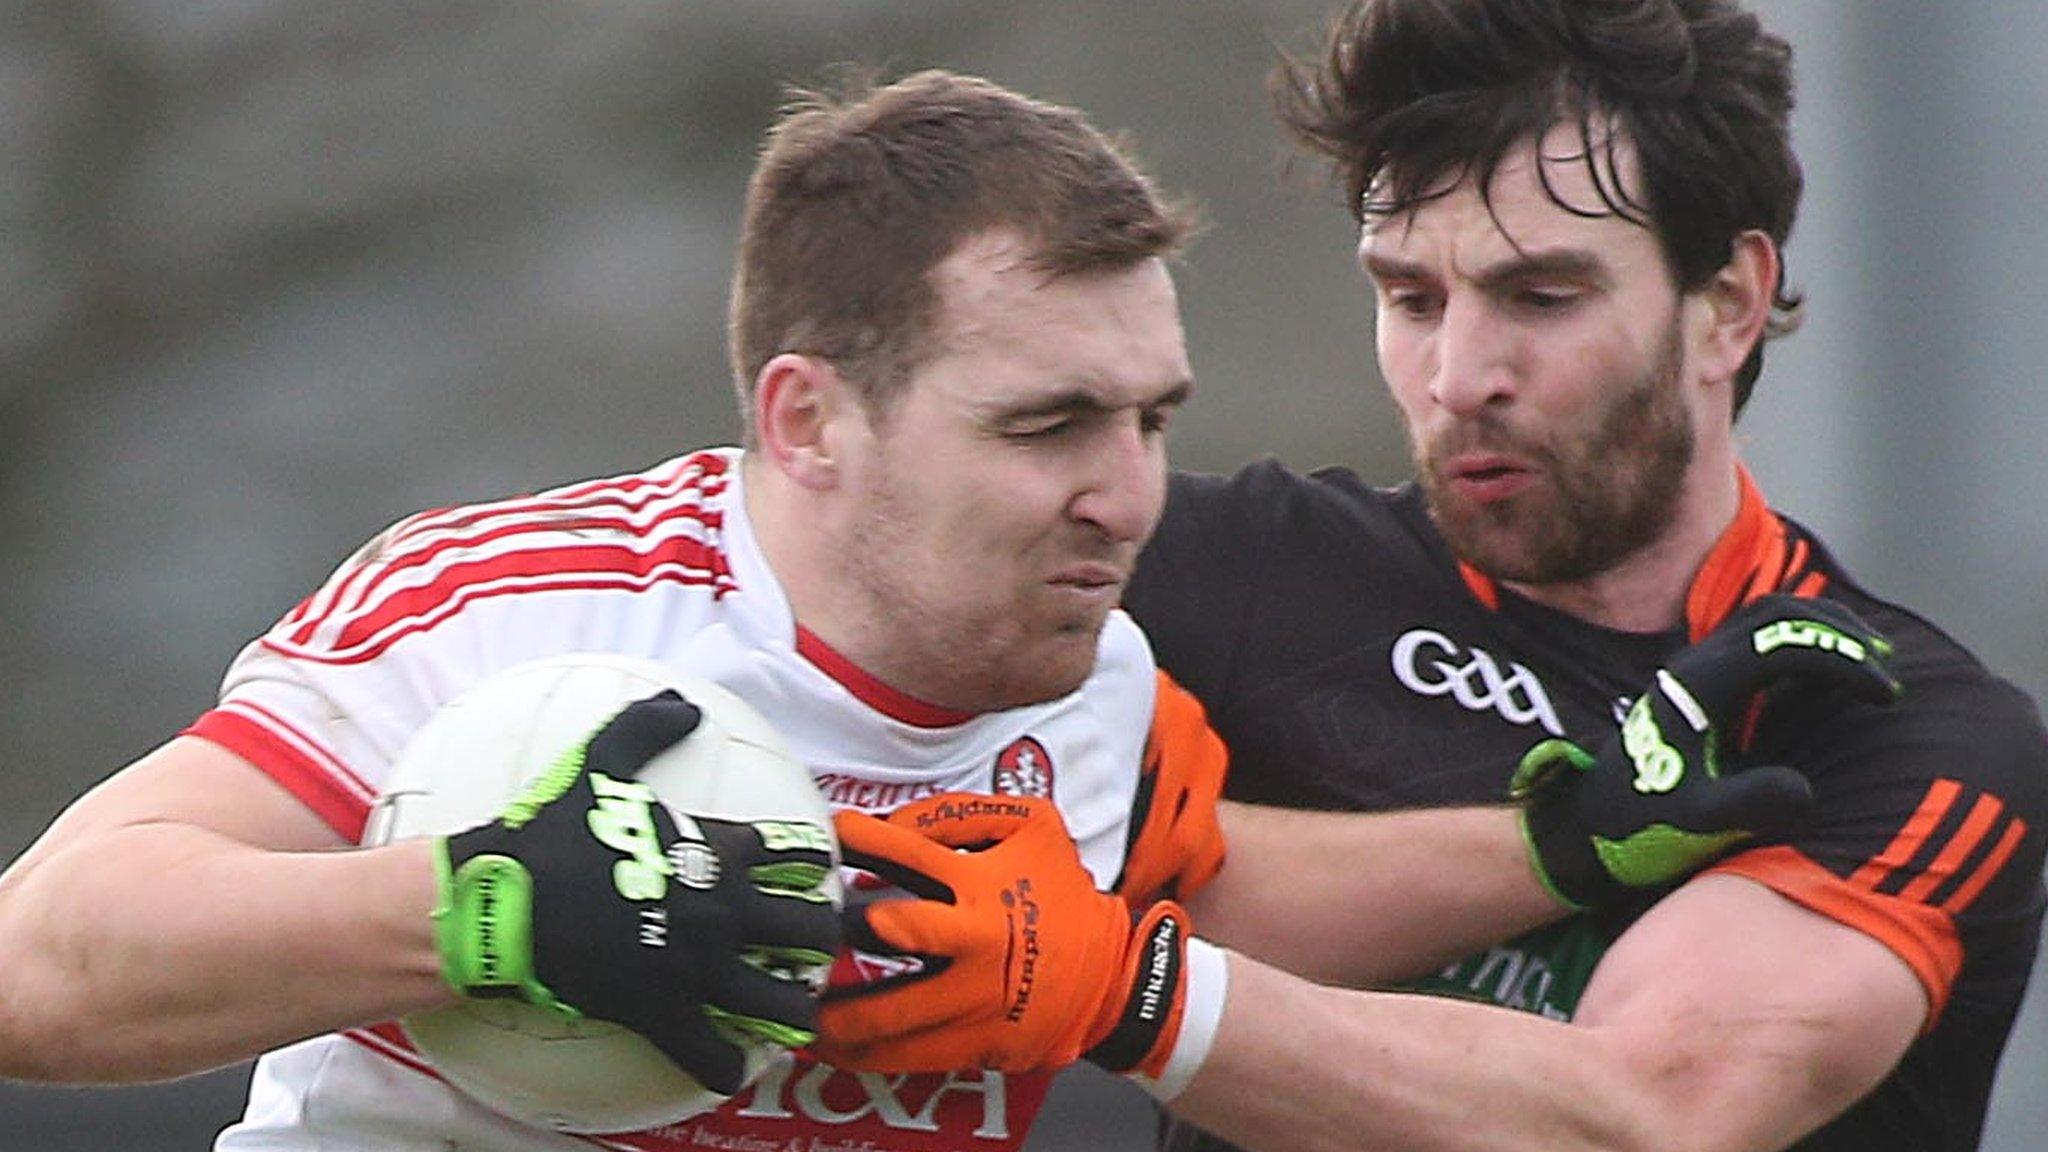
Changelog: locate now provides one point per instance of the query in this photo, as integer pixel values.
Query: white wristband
(1201, 1010)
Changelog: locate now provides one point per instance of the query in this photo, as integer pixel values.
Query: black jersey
(1351, 662)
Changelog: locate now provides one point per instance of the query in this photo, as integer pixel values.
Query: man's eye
(1413, 304)
(1037, 430)
(1546, 300)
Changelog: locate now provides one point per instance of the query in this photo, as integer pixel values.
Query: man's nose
(1125, 488)
(1476, 364)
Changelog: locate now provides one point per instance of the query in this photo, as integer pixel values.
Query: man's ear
(1736, 306)
(801, 405)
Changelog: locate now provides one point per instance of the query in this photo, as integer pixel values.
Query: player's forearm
(197, 951)
(1302, 1068)
(1391, 895)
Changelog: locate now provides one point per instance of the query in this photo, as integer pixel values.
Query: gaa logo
(1023, 769)
(1432, 664)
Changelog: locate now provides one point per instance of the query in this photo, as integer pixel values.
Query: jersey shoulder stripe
(612, 503)
(630, 502)
(1909, 894)
(626, 533)
(1947, 851)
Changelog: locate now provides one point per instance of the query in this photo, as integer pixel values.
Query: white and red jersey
(662, 565)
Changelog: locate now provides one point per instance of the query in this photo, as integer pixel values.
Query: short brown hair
(860, 192)
(1411, 94)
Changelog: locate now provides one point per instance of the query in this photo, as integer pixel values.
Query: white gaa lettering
(1431, 664)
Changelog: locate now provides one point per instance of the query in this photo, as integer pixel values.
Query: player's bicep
(193, 782)
(1750, 1019)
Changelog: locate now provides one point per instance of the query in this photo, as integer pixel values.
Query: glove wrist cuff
(483, 925)
(1562, 855)
(1175, 991)
(1153, 981)
(1208, 983)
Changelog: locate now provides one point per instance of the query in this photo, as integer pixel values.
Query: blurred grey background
(276, 272)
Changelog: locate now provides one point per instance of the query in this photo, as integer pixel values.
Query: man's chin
(1054, 668)
(1507, 551)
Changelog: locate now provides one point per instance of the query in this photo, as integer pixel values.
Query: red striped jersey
(662, 565)
(1350, 662)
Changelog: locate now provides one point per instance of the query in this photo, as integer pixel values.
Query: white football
(468, 761)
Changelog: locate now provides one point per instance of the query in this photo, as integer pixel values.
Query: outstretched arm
(1426, 886)
(189, 912)
(1726, 1020)
(1416, 889)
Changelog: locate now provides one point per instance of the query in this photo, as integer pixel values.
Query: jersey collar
(890, 702)
(1758, 553)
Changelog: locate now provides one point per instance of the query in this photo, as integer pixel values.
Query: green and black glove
(589, 897)
(1660, 799)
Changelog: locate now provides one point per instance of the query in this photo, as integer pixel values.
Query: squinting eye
(1155, 419)
(1038, 431)
(1547, 301)
(1414, 304)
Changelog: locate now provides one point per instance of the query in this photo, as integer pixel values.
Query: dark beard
(1600, 499)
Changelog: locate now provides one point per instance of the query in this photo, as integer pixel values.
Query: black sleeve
(1929, 832)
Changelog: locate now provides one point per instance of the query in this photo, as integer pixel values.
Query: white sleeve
(325, 701)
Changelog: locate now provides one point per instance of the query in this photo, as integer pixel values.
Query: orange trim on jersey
(325, 787)
(1966, 895)
(1745, 563)
(1755, 556)
(1800, 549)
(1941, 796)
(889, 701)
(1922, 936)
(1983, 814)
(1481, 586)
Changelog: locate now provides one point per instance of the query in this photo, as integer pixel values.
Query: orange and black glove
(1021, 964)
(1176, 844)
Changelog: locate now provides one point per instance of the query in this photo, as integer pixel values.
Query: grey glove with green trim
(1659, 800)
(589, 897)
